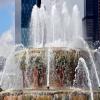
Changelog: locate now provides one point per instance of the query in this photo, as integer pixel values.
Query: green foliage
(37, 61)
(61, 59)
(23, 62)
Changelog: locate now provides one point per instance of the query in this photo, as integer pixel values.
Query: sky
(7, 18)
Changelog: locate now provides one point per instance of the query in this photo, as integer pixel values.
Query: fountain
(57, 65)
(81, 60)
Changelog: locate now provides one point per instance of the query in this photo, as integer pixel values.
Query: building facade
(99, 16)
(17, 21)
(22, 19)
(26, 9)
(91, 20)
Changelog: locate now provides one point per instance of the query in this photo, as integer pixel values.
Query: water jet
(57, 59)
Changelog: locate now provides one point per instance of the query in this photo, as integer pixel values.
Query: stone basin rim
(46, 91)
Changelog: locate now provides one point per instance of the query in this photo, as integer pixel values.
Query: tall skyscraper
(23, 16)
(91, 20)
(26, 9)
(17, 21)
(99, 16)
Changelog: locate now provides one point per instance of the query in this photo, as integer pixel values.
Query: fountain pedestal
(56, 70)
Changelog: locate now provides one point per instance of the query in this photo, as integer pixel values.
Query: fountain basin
(65, 94)
(62, 63)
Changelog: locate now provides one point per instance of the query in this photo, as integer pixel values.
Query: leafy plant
(23, 67)
(23, 62)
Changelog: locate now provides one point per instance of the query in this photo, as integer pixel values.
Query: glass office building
(26, 9)
(17, 21)
(99, 16)
(23, 9)
(91, 20)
